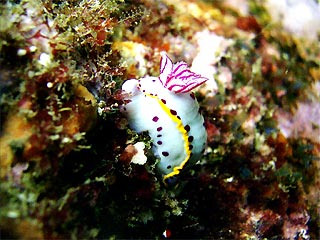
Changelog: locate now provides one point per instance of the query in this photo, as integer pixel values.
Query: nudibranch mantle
(166, 108)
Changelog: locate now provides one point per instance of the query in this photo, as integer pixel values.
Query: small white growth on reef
(21, 52)
(44, 59)
(211, 49)
(139, 157)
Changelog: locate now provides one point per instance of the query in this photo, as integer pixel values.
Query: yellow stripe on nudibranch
(176, 170)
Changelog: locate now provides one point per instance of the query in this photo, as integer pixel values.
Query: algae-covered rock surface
(71, 167)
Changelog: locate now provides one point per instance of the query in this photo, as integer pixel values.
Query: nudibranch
(166, 108)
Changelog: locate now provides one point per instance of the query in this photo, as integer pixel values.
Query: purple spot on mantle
(166, 154)
(173, 112)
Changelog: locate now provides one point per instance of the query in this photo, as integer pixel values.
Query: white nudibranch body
(166, 108)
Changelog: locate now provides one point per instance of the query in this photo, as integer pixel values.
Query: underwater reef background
(66, 151)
